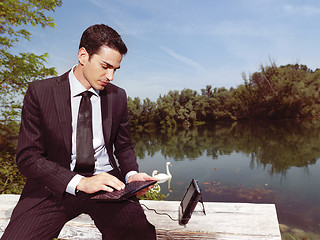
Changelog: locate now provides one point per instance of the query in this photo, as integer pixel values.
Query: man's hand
(141, 177)
(100, 182)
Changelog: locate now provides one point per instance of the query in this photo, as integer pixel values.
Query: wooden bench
(223, 221)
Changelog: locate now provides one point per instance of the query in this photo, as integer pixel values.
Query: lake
(265, 162)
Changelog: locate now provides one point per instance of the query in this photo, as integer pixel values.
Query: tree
(285, 92)
(134, 110)
(16, 71)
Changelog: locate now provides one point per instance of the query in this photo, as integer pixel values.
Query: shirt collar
(76, 87)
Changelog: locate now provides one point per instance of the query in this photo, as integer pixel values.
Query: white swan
(163, 177)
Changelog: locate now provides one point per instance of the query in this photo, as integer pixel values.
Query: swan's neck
(154, 173)
(168, 172)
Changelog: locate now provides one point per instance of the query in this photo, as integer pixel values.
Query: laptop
(189, 202)
(119, 195)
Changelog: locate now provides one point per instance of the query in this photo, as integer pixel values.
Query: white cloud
(240, 28)
(304, 10)
(184, 59)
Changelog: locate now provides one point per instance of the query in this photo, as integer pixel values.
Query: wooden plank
(238, 221)
(223, 221)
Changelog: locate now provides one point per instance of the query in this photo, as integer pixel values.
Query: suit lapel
(106, 110)
(62, 102)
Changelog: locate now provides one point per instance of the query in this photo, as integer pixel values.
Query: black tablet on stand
(189, 202)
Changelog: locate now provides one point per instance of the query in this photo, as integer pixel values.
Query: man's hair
(99, 35)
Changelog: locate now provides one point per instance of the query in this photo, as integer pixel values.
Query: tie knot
(86, 94)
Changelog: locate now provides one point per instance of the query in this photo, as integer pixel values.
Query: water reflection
(282, 144)
(265, 162)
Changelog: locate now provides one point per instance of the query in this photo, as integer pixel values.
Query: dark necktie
(85, 153)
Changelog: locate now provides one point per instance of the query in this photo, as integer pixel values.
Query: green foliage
(141, 114)
(273, 93)
(285, 92)
(153, 194)
(307, 236)
(16, 71)
(11, 180)
(14, 13)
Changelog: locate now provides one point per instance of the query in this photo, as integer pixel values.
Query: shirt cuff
(130, 174)
(72, 185)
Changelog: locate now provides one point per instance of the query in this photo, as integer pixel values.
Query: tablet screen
(189, 202)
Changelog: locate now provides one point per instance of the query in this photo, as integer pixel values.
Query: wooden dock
(223, 221)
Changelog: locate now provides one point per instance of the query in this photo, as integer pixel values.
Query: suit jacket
(44, 144)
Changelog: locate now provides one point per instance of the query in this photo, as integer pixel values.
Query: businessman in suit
(67, 158)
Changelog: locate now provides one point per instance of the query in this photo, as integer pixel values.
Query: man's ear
(83, 56)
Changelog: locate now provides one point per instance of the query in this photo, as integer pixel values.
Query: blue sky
(178, 44)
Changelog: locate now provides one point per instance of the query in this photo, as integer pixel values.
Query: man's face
(99, 70)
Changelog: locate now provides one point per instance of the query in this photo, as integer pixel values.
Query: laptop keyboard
(117, 194)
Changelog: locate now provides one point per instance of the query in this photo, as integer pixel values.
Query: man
(67, 158)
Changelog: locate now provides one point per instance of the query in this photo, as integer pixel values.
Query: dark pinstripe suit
(44, 154)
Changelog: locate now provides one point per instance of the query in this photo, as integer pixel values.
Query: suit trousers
(123, 220)
(115, 220)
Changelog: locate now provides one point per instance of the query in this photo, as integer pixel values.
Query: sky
(180, 44)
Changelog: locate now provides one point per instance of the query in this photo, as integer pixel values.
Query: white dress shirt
(102, 163)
